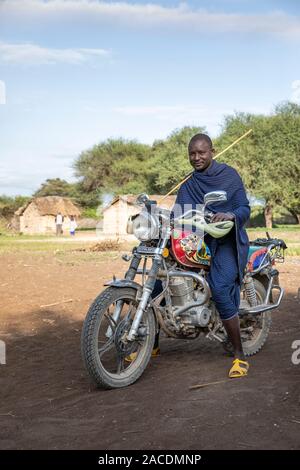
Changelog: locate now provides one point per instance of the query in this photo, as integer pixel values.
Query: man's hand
(222, 216)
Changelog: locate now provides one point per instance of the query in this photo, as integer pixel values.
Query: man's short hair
(200, 137)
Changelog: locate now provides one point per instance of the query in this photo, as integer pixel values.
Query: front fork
(144, 301)
(147, 291)
(147, 288)
(130, 275)
(146, 294)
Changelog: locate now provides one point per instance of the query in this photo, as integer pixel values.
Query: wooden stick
(234, 143)
(216, 156)
(57, 303)
(194, 387)
(10, 413)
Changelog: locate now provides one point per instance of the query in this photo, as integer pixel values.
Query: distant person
(73, 225)
(59, 223)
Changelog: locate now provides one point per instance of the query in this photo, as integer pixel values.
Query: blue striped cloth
(229, 254)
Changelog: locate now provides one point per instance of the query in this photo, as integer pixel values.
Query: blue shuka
(229, 253)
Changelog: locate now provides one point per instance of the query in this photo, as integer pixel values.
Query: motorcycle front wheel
(103, 340)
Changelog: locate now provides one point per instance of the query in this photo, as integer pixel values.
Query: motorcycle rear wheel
(261, 324)
(102, 345)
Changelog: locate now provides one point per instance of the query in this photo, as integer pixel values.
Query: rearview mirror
(142, 199)
(215, 196)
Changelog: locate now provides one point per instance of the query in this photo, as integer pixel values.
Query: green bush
(91, 213)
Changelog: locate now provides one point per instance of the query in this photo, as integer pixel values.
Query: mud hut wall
(115, 218)
(31, 222)
(48, 225)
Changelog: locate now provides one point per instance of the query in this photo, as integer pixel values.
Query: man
(59, 223)
(229, 253)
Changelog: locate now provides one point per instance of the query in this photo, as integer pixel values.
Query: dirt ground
(47, 401)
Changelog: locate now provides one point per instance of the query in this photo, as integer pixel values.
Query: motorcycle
(125, 317)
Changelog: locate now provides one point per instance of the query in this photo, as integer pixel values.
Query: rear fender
(265, 280)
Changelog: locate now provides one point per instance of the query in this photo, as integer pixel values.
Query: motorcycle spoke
(108, 345)
(121, 364)
(111, 321)
(127, 316)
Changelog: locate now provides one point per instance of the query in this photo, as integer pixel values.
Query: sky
(76, 72)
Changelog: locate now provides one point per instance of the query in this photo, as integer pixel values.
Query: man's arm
(240, 206)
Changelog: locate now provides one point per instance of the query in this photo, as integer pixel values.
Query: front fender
(124, 283)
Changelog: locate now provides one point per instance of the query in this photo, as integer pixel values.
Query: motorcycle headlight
(145, 227)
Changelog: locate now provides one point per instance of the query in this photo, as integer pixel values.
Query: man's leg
(232, 328)
(225, 303)
(225, 289)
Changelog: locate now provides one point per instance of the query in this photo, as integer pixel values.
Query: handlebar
(207, 214)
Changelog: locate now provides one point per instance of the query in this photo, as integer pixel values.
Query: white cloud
(33, 54)
(178, 115)
(154, 15)
(296, 91)
(2, 92)
(182, 115)
(32, 170)
(163, 112)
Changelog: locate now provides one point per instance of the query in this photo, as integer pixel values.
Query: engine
(182, 293)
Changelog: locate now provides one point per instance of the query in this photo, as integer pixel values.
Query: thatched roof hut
(38, 215)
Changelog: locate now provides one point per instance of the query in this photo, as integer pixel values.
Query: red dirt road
(47, 401)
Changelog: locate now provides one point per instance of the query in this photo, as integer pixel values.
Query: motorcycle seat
(268, 241)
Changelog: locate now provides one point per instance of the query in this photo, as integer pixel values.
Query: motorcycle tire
(98, 371)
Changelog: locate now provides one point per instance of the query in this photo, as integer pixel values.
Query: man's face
(200, 154)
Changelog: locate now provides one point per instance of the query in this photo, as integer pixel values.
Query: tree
(267, 159)
(9, 205)
(288, 124)
(132, 173)
(56, 187)
(170, 161)
(74, 191)
(116, 165)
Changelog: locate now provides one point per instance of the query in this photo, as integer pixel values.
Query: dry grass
(106, 245)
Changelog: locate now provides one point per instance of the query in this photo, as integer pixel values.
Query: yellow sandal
(132, 356)
(239, 369)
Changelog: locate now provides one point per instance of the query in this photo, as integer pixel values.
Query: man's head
(200, 151)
